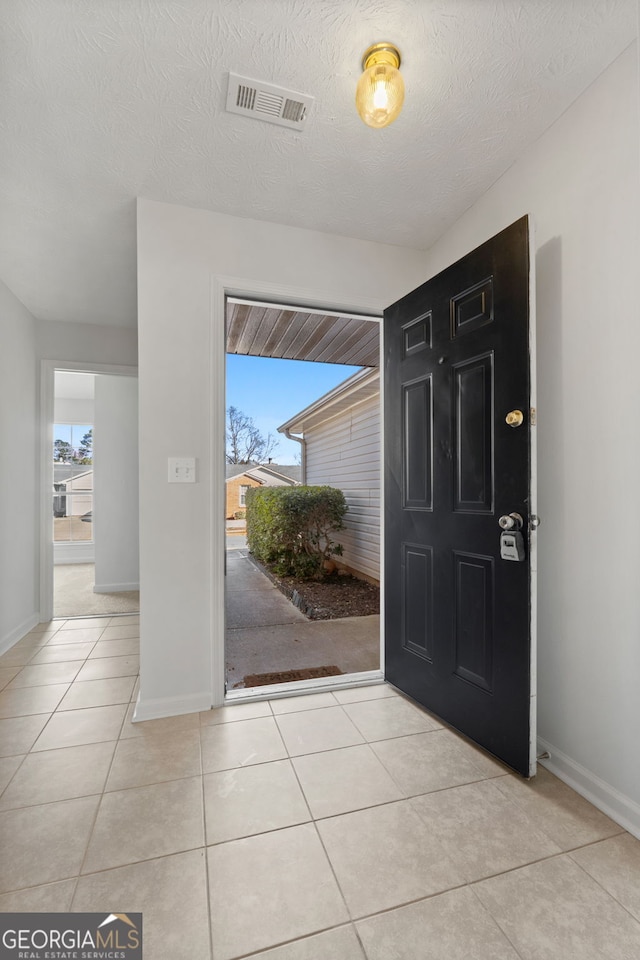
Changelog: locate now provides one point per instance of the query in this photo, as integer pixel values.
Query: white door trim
(221, 288)
(47, 383)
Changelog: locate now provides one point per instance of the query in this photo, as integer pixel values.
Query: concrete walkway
(266, 633)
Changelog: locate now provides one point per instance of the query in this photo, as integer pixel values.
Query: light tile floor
(338, 826)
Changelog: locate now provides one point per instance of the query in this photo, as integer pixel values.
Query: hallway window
(72, 482)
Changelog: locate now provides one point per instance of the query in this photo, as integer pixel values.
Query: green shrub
(240, 514)
(290, 528)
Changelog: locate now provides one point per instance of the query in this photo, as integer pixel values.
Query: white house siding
(344, 452)
(82, 500)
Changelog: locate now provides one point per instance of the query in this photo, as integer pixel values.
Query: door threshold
(299, 688)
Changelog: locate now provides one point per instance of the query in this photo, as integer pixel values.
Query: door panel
(417, 445)
(473, 435)
(417, 596)
(457, 615)
(473, 631)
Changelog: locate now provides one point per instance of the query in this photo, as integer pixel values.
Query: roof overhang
(361, 386)
(265, 330)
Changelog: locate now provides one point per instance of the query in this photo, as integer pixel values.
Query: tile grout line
(301, 788)
(13, 775)
(596, 881)
(410, 903)
(332, 868)
(307, 936)
(557, 856)
(360, 943)
(99, 804)
(97, 811)
(51, 713)
(320, 840)
(36, 686)
(317, 833)
(202, 774)
(521, 866)
(470, 884)
(504, 933)
(207, 882)
(592, 843)
(565, 850)
(28, 752)
(132, 863)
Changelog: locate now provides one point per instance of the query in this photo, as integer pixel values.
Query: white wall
(24, 342)
(344, 451)
(115, 516)
(86, 343)
(18, 490)
(73, 410)
(181, 341)
(581, 184)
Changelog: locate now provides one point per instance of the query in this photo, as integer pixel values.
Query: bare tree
(245, 443)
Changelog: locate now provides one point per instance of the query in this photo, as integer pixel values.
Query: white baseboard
(115, 587)
(18, 633)
(602, 795)
(171, 706)
(74, 553)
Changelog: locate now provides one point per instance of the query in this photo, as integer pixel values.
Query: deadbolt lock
(514, 418)
(511, 538)
(511, 521)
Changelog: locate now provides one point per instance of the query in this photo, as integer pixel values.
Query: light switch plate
(182, 469)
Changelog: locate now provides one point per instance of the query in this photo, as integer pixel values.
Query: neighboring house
(73, 486)
(341, 448)
(73, 498)
(242, 476)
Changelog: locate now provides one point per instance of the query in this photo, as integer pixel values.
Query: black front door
(458, 614)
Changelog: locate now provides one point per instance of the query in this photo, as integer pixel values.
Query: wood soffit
(258, 331)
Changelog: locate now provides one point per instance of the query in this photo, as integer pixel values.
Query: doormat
(290, 676)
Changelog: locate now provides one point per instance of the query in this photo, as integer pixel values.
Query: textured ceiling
(105, 100)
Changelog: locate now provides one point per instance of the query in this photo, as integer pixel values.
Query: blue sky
(272, 391)
(72, 434)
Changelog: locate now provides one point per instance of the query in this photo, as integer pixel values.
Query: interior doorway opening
(94, 574)
(305, 384)
(89, 483)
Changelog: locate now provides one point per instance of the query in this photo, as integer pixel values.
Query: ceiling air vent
(263, 101)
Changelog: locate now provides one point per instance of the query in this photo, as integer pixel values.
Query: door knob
(514, 418)
(511, 521)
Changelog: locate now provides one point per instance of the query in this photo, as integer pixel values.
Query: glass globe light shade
(380, 90)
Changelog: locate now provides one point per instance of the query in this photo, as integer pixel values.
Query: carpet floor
(73, 594)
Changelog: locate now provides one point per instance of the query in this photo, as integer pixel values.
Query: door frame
(47, 387)
(301, 297)
(221, 287)
(533, 507)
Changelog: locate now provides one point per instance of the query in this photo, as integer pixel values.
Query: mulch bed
(332, 599)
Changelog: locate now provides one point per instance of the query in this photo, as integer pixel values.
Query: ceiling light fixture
(380, 90)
